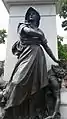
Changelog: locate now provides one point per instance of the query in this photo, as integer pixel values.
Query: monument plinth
(9, 3)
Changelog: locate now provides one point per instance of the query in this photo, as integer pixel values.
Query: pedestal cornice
(9, 3)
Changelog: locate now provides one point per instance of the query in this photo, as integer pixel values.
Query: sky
(4, 21)
(60, 30)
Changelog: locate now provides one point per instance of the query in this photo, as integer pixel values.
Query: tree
(62, 49)
(63, 12)
(3, 35)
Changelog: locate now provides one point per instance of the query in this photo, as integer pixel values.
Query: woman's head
(32, 16)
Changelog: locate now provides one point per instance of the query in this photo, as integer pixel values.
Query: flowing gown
(29, 77)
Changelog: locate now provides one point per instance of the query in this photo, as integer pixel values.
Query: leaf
(3, 35)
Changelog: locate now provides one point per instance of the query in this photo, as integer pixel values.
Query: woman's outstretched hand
(58, 61)
(51, 117)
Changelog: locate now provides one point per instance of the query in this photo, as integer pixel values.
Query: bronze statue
(25, 92)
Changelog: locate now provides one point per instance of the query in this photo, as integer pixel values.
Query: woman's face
(33, 16)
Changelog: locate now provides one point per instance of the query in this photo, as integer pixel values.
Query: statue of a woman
(24, 93)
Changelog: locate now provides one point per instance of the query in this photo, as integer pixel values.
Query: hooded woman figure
(29, 76)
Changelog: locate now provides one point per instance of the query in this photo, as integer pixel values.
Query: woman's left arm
(48, 50)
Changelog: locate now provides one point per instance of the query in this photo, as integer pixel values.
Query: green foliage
(3, 35)
(63, 12)
(62, 49)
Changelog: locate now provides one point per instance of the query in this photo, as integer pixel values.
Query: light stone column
(63, 106)
(17, 10)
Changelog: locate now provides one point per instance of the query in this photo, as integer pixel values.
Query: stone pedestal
(63, 106)
(17, 10)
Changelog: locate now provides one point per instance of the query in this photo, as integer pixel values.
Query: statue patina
(25, 92)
